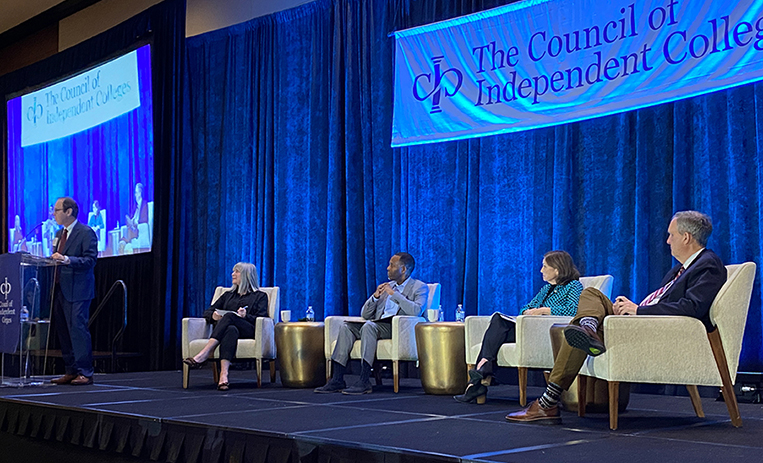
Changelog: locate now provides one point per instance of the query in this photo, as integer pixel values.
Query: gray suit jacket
(412, 301)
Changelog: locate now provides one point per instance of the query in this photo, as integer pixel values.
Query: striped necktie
(655, 296)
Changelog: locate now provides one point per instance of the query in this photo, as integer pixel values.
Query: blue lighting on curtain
(287, 163)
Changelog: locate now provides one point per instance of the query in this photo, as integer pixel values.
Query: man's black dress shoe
(334, 385)
(361, 387)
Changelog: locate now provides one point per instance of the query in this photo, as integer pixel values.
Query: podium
(26, 300)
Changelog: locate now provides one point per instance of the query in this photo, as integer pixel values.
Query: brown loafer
(585, 339)
(65, 379)
(82, 380)
(535, 413)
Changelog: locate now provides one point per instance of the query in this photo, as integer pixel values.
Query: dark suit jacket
(77, 280)
(694, 291)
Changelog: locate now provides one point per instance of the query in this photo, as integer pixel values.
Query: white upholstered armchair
(677, 350)
(143, 241)
(402, 346)
(196, 333)
(532, 348)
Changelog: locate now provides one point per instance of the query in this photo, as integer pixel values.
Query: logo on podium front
(5, 288)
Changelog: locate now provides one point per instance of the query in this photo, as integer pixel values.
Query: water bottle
(440, 315)
(24, 315)
(310, 314)
(460, 313)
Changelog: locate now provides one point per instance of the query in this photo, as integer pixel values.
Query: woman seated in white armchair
(234, 315)
(558, 297)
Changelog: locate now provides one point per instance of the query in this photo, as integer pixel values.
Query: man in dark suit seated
(402, 295)
(76, 248)
(688, 289)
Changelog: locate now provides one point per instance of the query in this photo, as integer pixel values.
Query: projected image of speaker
(88, 136)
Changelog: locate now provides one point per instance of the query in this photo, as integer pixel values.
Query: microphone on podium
(34, 230)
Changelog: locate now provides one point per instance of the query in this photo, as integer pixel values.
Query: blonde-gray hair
(248, 281)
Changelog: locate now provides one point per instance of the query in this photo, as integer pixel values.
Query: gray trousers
(368, 333)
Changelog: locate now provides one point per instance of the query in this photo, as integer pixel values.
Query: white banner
(81, 102)
(538, 63)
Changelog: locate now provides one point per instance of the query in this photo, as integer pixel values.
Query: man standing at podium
(76, 248)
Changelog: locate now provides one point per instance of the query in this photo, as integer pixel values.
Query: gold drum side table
(300, 353)
(442, 364)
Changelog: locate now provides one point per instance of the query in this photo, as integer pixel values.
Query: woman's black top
(256, 304)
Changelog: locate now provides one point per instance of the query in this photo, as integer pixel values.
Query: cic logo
(435, 82)
(34, 112)
(5, 288)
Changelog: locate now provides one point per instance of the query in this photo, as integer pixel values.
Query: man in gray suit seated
(402, 295)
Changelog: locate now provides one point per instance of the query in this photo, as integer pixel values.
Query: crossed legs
(226, 334)
(592, 309)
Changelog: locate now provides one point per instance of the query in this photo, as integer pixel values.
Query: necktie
(62, 243)
(59, 248)
(655, 296)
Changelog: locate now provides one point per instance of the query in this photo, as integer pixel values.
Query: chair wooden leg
(186, 376)
(728, 387)
(614, 399)
(696, 402)
(216, 372)
(522, 373)
(259, 372)
(272, 365)
(396, 375)
(469, 366)
(581, 395)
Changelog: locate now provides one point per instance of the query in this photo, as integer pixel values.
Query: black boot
(485, 371)
(363, 386)
(336, 383)
(483, 374)
(475, 392)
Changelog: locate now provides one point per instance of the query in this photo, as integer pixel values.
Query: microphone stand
(34, 230)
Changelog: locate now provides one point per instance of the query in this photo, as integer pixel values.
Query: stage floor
(411, 424)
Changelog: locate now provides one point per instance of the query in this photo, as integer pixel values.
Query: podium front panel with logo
(26, 289)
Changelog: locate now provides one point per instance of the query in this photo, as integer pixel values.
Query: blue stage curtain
(287, 163)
